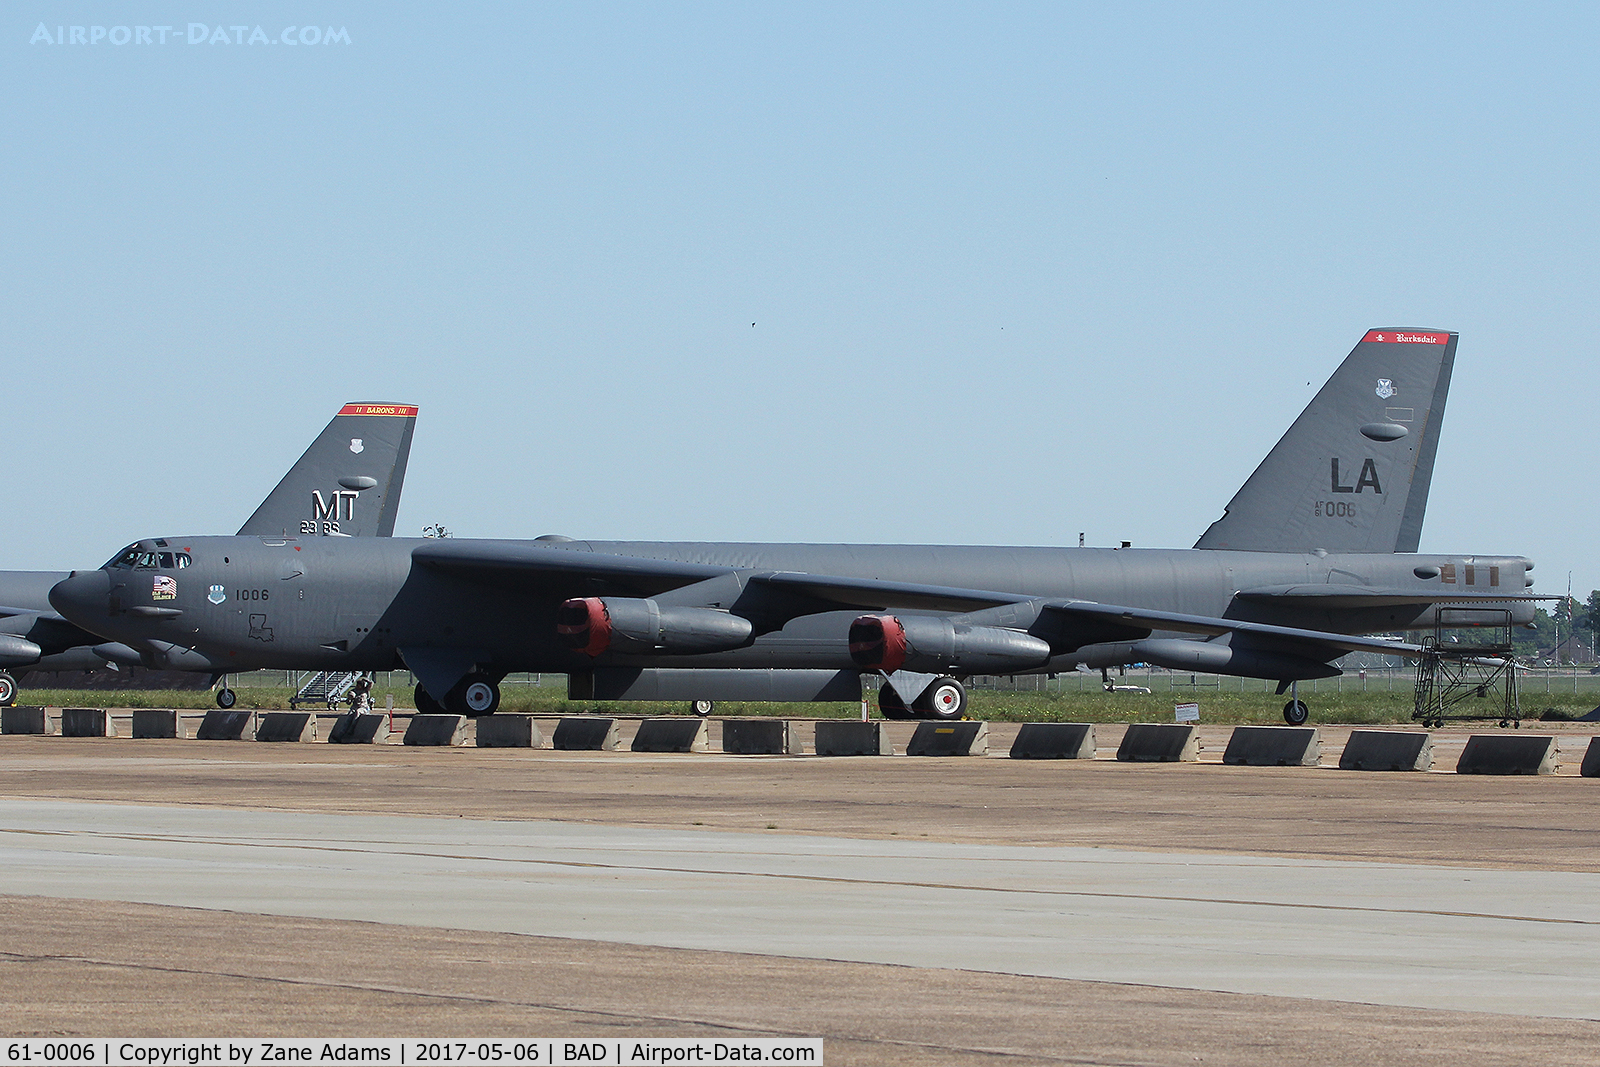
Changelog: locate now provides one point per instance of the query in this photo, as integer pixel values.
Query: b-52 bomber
(1313, 555)
(360, 456)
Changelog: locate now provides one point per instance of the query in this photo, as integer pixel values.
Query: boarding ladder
(325, 687)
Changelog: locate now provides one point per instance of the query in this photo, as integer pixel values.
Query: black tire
(702, 708)
(945, 699)
(226, 698)
(1295, 713)
(8, 690)
(425, 703)
(890, 706)
(474, 695)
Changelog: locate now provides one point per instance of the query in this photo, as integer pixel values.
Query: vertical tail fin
(1352, 473)
(348, 482)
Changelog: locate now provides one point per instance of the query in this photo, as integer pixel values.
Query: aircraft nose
(84, 598)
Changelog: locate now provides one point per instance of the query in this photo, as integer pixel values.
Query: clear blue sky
(1015, 271)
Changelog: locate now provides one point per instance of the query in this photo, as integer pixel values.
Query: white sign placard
(1186, 712)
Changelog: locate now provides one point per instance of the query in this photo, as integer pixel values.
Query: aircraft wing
(874, 595)
(558, 570)
(1310, 641)
(568, 571)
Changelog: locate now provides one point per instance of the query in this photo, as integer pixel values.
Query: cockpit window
(137, 556)
(126, 558)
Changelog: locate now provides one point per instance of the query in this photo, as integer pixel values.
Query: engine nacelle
(593, 625)
(18, 651)
(936, 645)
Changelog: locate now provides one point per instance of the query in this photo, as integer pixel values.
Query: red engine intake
(585, 624)
(878, 642)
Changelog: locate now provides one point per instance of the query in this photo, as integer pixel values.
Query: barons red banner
(379, 409)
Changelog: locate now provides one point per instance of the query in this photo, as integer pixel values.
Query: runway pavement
(943, 883)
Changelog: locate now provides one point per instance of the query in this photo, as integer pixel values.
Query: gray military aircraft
(1315, 551)
(360, 456)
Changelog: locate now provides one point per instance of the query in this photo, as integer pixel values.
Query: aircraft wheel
(701, 708)
(1295, 713)
(476, 694)
(946, 698)
(8, 690)
(425, 703)
(226, 698)
(890, 704)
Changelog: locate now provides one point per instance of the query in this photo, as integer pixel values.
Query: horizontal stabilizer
(1359, 596)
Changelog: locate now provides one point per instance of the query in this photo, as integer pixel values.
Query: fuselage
(244, 603)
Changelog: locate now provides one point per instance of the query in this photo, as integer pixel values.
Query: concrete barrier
(1054, 740)
(87, 722)
(25, 720)
(353, 729)
(1590, 767)
(761, 737)
(1159, 742)
(158, 723)
(436, 731)
(672, 735)
(1387, 750)
(509, 731)
(1508, 754)
(222, 725)
(287, 726)
(852, 737)
(1273, 746)
(949, 739)
(585, 734)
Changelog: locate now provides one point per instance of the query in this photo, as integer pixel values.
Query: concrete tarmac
(908, 910)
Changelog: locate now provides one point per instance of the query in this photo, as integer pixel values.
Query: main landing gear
(944, 699)
(476, 694)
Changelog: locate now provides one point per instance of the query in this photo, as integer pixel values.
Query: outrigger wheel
(702, 708)
(8, 690)
(1295, 713)
(226, 698)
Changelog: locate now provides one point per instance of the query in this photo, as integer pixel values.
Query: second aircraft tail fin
(1352, 473)
(348, 482)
